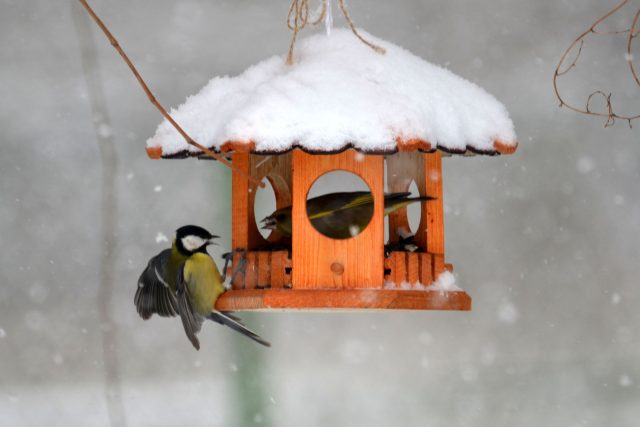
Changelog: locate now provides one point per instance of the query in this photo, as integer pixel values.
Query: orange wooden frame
(321, 272)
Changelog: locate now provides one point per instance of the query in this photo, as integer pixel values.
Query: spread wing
(191, 321)
(153, 295)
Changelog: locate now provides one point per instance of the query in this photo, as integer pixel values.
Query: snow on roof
(340, 94)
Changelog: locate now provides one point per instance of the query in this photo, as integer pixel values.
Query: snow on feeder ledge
(341, 106)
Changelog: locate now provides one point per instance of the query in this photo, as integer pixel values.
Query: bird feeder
(341, 107)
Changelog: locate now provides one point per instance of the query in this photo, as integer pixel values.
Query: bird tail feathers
(228, 319)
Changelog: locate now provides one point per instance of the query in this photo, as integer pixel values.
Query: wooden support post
(278, 260)
(238, 267)
(434, 211)
(398, 265)
(426, 269)
(400, 173)
(413, 268)
(264, 269)
(251, 270)
(240, 203)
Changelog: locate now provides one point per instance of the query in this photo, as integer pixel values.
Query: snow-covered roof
(340, 94)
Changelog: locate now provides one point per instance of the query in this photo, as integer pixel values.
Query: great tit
(185, 281)
(340, 215)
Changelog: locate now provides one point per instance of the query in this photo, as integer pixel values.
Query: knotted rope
(298, 18)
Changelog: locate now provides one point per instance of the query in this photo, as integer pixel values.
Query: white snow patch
(340, 92)
(405, 285)
(354, 230)
(446, 282)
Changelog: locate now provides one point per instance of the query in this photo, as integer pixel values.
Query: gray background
(546, 241)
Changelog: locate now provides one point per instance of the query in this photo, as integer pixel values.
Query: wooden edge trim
(504, 148)
(238, 146)
(333, 299)
(154, 153)
(412, 144)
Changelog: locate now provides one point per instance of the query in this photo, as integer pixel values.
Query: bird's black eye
(280, 216)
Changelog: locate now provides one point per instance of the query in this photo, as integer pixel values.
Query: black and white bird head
(191, 239)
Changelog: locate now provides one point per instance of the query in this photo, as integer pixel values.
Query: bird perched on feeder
(340, 215)
(184, 280)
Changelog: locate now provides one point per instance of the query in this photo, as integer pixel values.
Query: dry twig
(157, 104)
(610, 114)
(298, 18)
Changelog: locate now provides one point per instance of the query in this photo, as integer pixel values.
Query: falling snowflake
(625, 381)
(615, 298)
(585, 165)
(161, 238)
(508, 313)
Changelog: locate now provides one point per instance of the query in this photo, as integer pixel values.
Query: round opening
(339, 205)
(264, 205)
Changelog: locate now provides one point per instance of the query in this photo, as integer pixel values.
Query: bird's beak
(211, 242)
(268, 223)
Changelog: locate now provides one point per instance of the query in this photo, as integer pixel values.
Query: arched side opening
(259, 263)
(418, 258)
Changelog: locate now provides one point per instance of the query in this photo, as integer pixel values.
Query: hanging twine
(298, 18)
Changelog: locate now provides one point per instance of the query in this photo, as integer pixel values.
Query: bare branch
(157, 104)
(633, 34)
(573, 63)
(610, 113)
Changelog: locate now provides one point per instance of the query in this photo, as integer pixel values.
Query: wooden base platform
(342, 299)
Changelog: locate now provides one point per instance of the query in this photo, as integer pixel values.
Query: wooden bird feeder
(313, 271)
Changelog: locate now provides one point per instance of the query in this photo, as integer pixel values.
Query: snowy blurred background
(546, 241)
